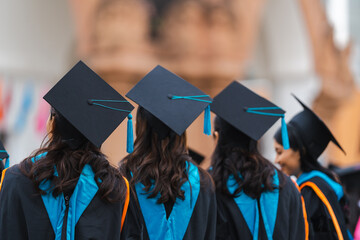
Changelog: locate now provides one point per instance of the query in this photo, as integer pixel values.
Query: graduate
(68, 190)
(4, 158)
(254, 199)
(320, 188)
(350, 180)
(173, 197)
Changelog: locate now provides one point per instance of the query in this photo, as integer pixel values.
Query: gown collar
(336, 187)
(249, 207)
(157, 225)
(85, 190)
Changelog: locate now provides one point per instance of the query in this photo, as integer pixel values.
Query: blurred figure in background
(255, 200)
(350, 178)
(323, 194)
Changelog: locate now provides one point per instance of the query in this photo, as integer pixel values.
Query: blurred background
(276, 47)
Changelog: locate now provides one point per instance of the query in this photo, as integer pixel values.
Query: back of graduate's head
(236, 153)
(68, 150)
(159, 154)
(229, 137)
(62, 132)
(168, 104)
(155, 136)
(80, 100)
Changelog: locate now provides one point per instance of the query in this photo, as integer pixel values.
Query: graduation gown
(192, 218)
(1, 168)
(322, 195)
(281, 212)
(24, 215)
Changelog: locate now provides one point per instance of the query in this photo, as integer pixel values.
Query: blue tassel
(284, 134)
(7, 163)
(130, 136)
(207, 121)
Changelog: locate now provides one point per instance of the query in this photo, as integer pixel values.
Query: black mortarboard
(171, 99)
(4, 155)
(92, 106)
(197, 157)
(313, 131)
(247, 111)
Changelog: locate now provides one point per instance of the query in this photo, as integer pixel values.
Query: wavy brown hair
(236, 153)
(159, 158)
(70, 151)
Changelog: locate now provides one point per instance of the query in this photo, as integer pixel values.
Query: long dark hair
(159, 158)
(236, 153)
(307, 163)
(70, 151)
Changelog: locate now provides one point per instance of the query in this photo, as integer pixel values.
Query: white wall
(36, 47)
(283, 57)
(36, 37)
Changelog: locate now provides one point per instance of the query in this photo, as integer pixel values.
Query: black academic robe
(1, 168)
(202, 223)
(24, 216)
(320, 222)
(290, 223)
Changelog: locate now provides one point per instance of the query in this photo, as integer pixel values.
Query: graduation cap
(90, 105)
(313, 131)
(248, 112)
(171, 99)
(4, 155)
(196, 156)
